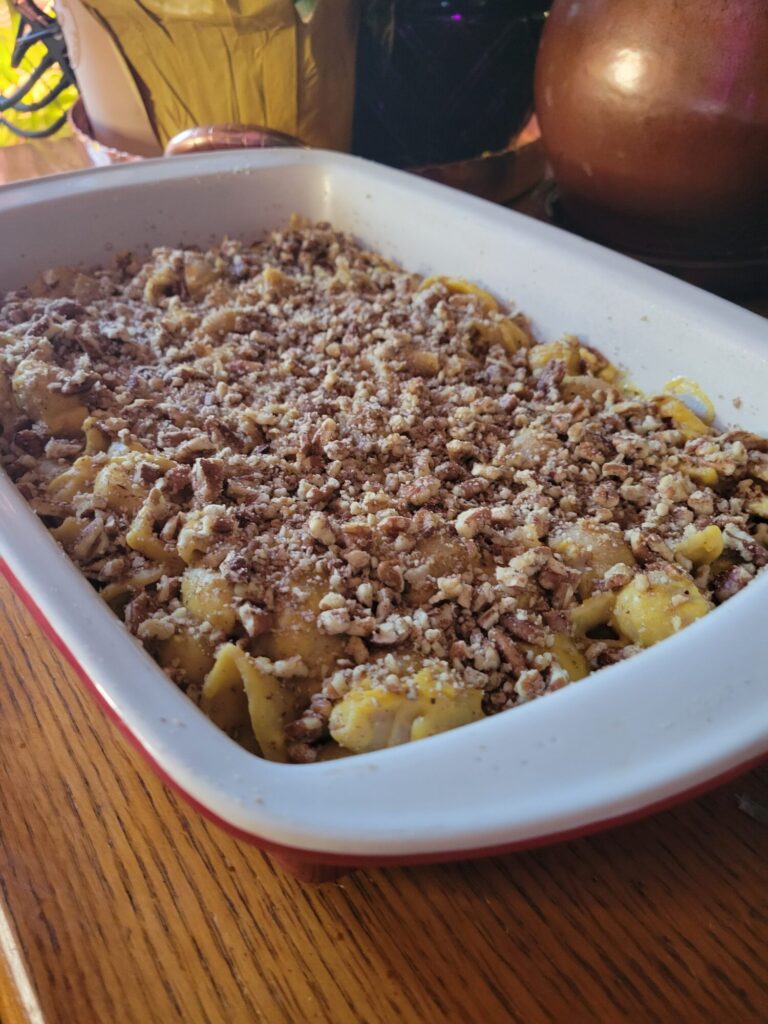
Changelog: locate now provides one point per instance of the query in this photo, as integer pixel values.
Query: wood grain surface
(120, 904)
(35, 159)
(123, 905)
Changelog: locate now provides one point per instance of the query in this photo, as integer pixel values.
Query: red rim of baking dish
(294, 859)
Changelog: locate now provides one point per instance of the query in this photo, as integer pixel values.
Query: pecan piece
(177, 479)
(730, 582)
(420, 491)
(524, 628)
(745, 545)
(507, 648)
(207, 479)
(63, 448)
(391, 526)
(31, 441)
(256, 621)
(391, 632)
(137, 610)
(473, 521)
(391, 575)
(450, 472)
(550, 379)
(149, 472)
(66, 309)
(556, 620)
(301, 752)
(320, 529)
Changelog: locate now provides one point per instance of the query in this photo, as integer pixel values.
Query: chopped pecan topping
(295, 439)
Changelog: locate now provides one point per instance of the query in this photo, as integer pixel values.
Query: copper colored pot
(208, 137)
(654, 117)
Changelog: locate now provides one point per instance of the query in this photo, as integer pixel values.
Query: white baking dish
(630, 737)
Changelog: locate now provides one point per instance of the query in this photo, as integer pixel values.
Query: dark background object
(654, 117)
(443, 80)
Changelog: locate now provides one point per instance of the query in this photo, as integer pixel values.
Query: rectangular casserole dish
(631, 737)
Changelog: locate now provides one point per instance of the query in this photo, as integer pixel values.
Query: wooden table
(119, 904)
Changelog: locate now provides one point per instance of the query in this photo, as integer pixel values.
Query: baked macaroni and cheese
(346, 507)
